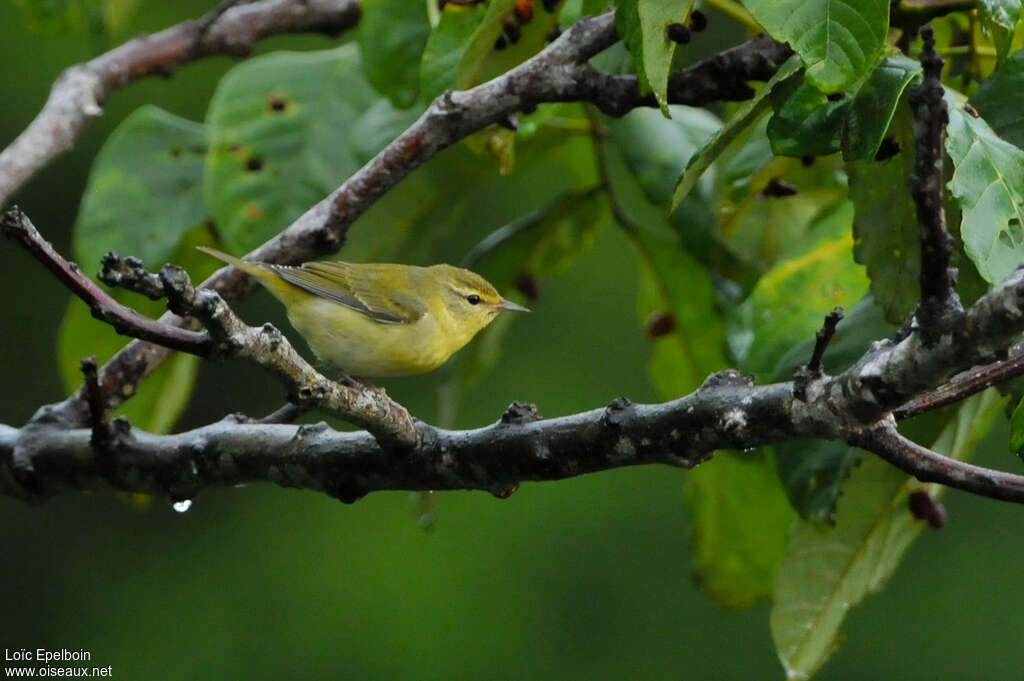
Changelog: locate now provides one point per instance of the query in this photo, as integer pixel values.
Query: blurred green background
(584, 578)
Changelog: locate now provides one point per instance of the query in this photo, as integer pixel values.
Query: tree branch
(727, 412)
(267, 348)
(938, 297)
(928, 466)
(812, 370)
(81, 90)
(965, 384)
(16, 226)
(558, 73)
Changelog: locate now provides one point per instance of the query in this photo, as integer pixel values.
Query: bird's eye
(473, 298)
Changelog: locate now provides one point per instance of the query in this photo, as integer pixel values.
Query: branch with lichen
(56, 452)
(226, 337)
(558, 73)
(79, 93)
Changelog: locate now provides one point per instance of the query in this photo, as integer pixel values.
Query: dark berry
(698, 21)
(677, 33)
(660, 324)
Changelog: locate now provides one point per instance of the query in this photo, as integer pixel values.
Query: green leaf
(740, 522)
(789, 302)
(144, 190)
(446, 46)
(482, 61)
(1000, 99)
(812, 473)
(461, 50)
(999, 19)
(828, 570)
(641, 25)
(875, 105)
(838, 40)
(1017, 429)
(885, 224)
(165, 394)
(392, 35)
(657, 150)
(745, 117)
(285, 130)
(988, 178)
(675, 283)
(805, 122)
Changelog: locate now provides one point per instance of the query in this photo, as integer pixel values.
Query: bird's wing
(356, 287)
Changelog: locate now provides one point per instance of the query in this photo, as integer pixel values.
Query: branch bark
(727, 412)
(81, 90)
(938, 297)
(558, 73)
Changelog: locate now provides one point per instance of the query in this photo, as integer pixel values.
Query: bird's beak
(514, 307)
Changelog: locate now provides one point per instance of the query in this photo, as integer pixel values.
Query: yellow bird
(377, 319)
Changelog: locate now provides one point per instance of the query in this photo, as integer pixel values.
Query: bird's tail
(262, 273)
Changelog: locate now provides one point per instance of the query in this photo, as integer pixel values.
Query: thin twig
(812, 370)
(101, 432)
(822, 339)
(929, 466)
(965, 384)
(17, 226)
(287, 413)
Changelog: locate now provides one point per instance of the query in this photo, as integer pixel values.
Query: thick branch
(80, 91)
(348, 465)
(728, 411)
(559, 73)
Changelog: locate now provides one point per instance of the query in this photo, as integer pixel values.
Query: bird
(379, 320)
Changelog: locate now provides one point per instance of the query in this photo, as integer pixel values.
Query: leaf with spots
(806, 122)
(838, 40)
(472, 44)
(742, 120)
(144, 190)
(885, 224)
(642, 24)
(285, 130)
(987, 183)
